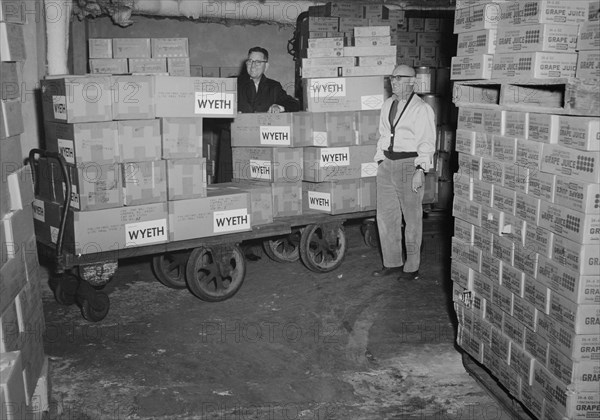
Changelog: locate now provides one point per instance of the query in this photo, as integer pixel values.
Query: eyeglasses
(399, 78)
(255, 62)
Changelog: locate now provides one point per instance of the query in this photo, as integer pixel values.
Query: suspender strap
(391, 116)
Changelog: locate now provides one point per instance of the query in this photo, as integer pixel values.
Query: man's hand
(417, 180)
(275, 109)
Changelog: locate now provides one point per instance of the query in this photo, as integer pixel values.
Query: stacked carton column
(527, 221)
(23, 365)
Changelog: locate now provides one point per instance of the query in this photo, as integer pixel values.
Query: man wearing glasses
(404, 152)
(258, 93)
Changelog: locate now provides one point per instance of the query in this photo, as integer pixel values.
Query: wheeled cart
(212, 268)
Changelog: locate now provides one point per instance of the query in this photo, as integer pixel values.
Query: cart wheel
(169, 269)
(64, 287)
(370, 234)
(216, 273)
(96, 308)
(284, 249)
(323, 247)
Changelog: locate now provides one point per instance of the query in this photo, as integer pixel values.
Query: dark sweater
(269, 92)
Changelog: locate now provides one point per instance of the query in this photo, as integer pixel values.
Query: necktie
(392, 116)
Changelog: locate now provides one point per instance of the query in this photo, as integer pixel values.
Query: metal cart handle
(63, 220)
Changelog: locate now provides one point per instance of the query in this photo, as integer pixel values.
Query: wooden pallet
(549, 96)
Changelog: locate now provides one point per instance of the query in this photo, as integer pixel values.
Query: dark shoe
(386, 271)
(409, 276)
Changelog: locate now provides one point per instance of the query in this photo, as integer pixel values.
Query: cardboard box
(589, 36)
(543, 11)
(516, 177)
(492, 171)
(409, 52)
(147, 65)
(178, 66)
(144, 182)
(581, 133)
(327, 62)
(261, 198)
(377, 60)
(476, 43)
(331, 71)
(330, 197)
(75, 99)
(11, 118)
(186, 178)
(477, 17)
(84, 142)
(540, 65)
(181, 137)
(100, 48)
(578, 227)
(367, 194)
(322, 24)
(536, 37)
(338, 163)
(169, 47)
(470, 119)
(467, 210)
(343, 94)
(267, 164)
(108, 66)
(504, 199)
(195, 97)
(12, 42)
(372, 41)
(323, 52)
(12, 386)
(516, 124)
(369, 51)
(463, 186)
(327, 129)
(470, 166)
(10, 88)
(504, 148)
(406, 39)
(367, 127)
(580, 318)
(588, 65)
(583, 374)
(542, 185)
(543, 128)
(538, 239)
(93, 186)
(382, 70)
(287, 198)
(561, 160)
(429, 39)
(131, 48)
(264, 129)
(218, 213)
(20, 188)
(577, 195)
(102, 230)
(337, 42)
(133, 98)
(139, 140)
(582, 259)
(472, 67)
(482, 239)
(363, 31)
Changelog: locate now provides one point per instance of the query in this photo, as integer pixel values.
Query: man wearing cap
(404, 153)
(258, 93)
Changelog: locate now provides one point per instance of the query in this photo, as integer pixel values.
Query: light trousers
(396, 200)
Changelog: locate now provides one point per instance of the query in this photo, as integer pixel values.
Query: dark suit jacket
(269, 92)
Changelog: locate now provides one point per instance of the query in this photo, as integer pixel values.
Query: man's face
(256, 64)
(402, 85)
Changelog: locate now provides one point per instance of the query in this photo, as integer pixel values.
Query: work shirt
(259, 99)
(415, 132)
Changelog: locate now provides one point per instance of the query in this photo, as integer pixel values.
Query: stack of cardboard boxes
(133, 149)
(527, 223)
(313, 161)
(139, 56)
(23, 365)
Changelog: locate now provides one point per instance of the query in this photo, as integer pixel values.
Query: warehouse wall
(211, 44)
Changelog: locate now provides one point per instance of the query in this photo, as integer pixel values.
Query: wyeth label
(319, 201)
(335, 156)
(214, 103)
(231, 220)
(67, 150)
(144, 233)
(260, 169)
(59, 104)
(327, 88)
(275, 135)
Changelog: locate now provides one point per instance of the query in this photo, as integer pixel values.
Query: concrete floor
(292, 344)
